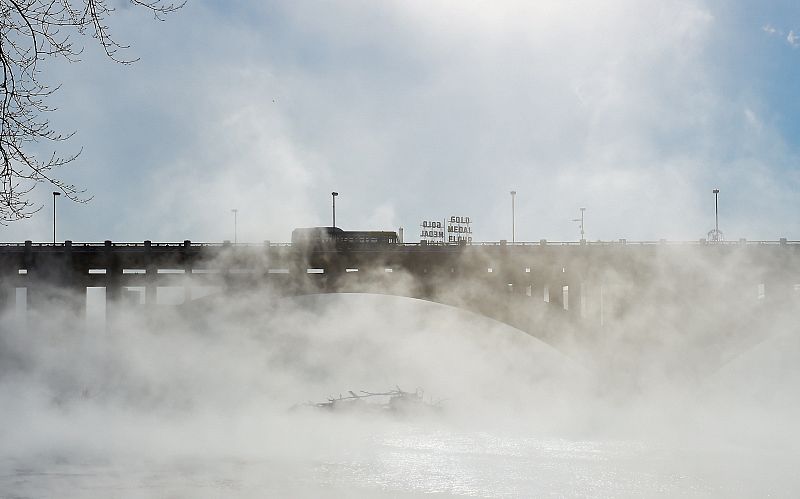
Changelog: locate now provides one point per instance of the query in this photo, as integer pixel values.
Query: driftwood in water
(393, 401)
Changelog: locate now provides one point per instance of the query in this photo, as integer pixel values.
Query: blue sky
(410, 110)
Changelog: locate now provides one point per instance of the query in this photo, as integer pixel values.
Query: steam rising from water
(192, 402)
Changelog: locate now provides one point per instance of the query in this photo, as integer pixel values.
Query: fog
(686, 398)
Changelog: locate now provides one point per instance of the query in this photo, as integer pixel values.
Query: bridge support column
(150, 286)
(187, 272)
(536, 289)
(8, 293)
(334, 274)
(150, 276)
(73, 283)
(113, 283)
(226, 276)
(29, 263)
(575, 298)
(555, 290)
(592, 303)
(55, 285)
(9, 275)
(508, 276)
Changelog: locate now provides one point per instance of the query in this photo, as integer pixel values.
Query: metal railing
(620, 242)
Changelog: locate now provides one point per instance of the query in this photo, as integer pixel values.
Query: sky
(417, 110)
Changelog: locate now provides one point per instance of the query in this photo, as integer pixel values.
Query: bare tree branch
(32, 31)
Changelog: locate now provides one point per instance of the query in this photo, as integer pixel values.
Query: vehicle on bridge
(334, 238)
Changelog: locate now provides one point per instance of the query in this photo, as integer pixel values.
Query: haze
(413, 111)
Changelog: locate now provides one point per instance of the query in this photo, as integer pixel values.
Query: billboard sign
(432, 232)
(459, 229)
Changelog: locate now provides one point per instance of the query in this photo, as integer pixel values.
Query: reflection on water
(412, 461)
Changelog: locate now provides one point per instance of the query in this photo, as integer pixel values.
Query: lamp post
(513, 219)
(716, 235)
(716, 210)
(581, 221)
(55, 194)
(333, 196)
(235, 223)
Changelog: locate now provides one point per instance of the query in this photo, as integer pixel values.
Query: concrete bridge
(521, 284)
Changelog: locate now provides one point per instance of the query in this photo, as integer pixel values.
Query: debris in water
(395, 401)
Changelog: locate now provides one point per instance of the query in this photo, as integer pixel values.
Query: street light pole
(716, 210)
(333, 196)
(716, 235)
(583, 237)
(235, 225)
(55, 193)
(513, 219)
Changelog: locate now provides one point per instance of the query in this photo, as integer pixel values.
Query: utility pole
(715, 235)
(583, 236)
(333, 196)
(55, 193)
(513, 218)
(235, 224)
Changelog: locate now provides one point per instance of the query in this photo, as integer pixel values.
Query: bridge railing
(41, 246)
(123, 245)
(620, 242)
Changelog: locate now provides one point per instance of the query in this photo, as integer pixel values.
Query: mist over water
(193, 401)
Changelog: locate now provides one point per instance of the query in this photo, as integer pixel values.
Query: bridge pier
(52, 279)
(73, 282)
(150, 276)
(537, 288)
(112, 281)
(574, 303)
(9, 275)
(334, 273)
(7, 294)
(505, 271)
(555, 294)
(592, 297)
(188, 279)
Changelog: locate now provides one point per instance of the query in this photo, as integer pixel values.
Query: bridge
(592, 284)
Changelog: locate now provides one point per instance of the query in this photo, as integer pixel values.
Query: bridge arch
(528, 314)
(541, 323)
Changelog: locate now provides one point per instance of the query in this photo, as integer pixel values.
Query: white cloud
(753, 120)
(793, 39)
